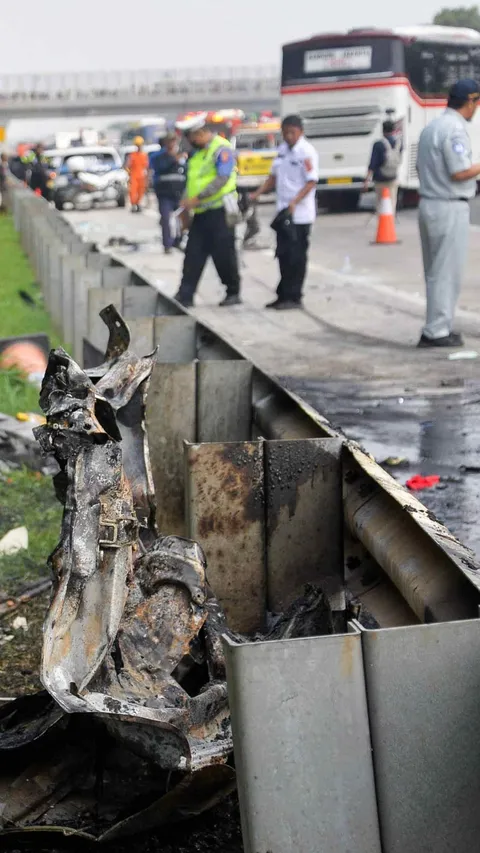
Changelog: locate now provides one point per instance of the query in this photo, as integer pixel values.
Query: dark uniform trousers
(210, 236)
(292, 255)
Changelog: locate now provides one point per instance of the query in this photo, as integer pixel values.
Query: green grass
(17, 317)
(26, 498)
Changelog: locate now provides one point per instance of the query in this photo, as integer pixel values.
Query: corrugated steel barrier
(368, 741)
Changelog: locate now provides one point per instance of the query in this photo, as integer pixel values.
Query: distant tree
(462, 16)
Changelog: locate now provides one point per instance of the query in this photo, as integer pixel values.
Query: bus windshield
(340, 58)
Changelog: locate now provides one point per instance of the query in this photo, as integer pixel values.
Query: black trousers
(292, 258)
(210, 236)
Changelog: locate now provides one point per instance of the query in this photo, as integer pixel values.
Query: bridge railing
(111, 85)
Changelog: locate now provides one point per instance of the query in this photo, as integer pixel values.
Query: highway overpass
(137, 92)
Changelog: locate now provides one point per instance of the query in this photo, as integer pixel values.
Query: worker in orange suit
(137, 168)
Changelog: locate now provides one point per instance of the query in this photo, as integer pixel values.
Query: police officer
(294, 175)
(211, 196)
(447, 183)
(168, 167)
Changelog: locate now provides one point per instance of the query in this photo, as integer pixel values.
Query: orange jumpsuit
(138, 168)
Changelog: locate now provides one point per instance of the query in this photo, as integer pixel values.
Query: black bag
(284, 226)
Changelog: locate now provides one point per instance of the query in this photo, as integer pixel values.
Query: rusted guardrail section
(278, 499)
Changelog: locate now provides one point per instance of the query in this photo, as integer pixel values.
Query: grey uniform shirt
(444, 148)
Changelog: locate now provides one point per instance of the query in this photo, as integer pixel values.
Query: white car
(98, 160)
(104, 177)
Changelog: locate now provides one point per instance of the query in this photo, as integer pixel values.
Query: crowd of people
(194, 179)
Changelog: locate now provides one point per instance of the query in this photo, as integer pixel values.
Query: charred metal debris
(133, 728)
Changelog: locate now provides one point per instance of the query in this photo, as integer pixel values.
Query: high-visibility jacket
(202, 171)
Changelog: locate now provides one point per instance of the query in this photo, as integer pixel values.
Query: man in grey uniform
(447, 183)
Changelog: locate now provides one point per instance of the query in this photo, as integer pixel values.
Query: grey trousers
(444, 227)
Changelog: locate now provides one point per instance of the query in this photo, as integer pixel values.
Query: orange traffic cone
(386, 220)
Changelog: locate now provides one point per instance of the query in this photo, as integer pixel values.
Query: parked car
(109, 180)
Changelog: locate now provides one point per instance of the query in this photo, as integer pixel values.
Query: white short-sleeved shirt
(293, 168)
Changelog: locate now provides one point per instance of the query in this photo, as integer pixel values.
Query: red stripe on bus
(365, 84)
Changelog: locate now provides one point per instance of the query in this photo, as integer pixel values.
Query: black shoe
(451, 340)
(168, 250)
(183, 300)
(287, 305)
(233, 299)
(272, 304)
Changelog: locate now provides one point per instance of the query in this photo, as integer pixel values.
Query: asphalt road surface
(351, 353)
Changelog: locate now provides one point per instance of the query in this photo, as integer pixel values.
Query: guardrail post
(114, 277)
(302, 745)
(225, 506)
(175, 338)
(171, 419)
(53, 286)
(423, 687)
(83, 281)
(304, 517)
(224, 400)
(68, 266)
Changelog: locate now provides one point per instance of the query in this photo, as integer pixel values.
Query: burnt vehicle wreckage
(133, 728)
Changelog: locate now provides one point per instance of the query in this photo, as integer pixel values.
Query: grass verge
(18, 317)
(26, 498)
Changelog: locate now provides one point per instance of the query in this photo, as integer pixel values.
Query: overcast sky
(58, 35)
(90, 35)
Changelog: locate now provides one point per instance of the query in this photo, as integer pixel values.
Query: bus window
(433, 68)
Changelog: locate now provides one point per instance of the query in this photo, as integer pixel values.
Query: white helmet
(76, 164)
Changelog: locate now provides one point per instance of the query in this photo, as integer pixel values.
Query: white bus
(345, 85)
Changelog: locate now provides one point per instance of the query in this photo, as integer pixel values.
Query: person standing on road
(38, 179)
(294, 175)
(447, 183)
(137, 167)
(211, 196)
(168, 168)
(385, 163)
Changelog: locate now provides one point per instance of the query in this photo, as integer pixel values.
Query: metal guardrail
(368, 740)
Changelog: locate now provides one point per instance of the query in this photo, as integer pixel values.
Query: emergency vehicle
(256, 146)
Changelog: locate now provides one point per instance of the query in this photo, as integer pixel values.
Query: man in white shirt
(294, 176)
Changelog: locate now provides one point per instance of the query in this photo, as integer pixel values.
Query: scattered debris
(419, 482)
(20, 624)
(29, 300)
(30, 418)
(395, 462)
(13, 541)
(9, 604)
(124, 243)
(18, 447)
(462, 354)
(26, 356)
